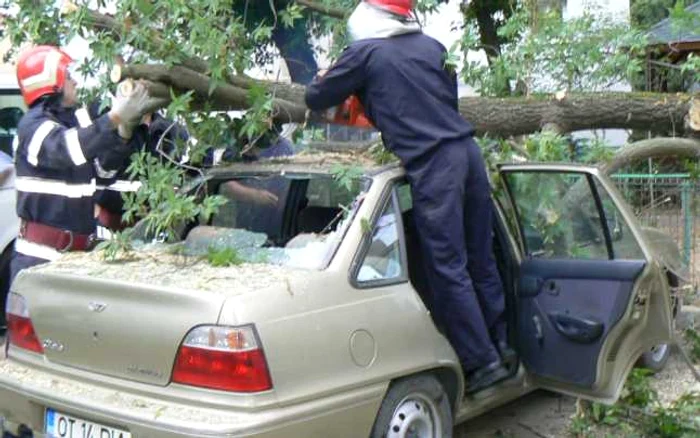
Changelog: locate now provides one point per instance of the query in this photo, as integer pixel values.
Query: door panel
(590, 297)
(567, 308)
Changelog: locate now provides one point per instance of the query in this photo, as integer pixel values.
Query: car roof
(315, 162)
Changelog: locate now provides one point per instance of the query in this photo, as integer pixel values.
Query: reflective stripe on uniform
(83, 117)
(102, 173)
(52, 187)
(37, 140)
(103, 233)
(36, 250)
(124, 186)
(74, 149)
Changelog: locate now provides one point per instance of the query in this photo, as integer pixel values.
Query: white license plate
(67, 426)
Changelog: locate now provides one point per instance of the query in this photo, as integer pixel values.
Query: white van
(11, 110)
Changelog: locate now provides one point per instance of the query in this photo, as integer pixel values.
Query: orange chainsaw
(348, 113)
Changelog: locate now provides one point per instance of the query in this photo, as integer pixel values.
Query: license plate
(67, 426)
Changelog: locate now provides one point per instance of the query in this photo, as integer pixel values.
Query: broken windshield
(284, 219)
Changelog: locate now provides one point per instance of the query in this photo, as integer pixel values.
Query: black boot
(488, 375)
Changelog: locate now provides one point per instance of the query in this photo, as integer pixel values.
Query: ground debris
(162, 265)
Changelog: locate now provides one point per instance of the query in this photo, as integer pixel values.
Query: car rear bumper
(25, 394)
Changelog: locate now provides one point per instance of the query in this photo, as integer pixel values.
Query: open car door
(590, 297)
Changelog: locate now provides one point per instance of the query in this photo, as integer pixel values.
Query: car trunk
(118, 329)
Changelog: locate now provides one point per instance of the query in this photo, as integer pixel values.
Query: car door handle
(579, 329)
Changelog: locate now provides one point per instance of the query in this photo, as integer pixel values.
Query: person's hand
(130, 104)
(322, 72)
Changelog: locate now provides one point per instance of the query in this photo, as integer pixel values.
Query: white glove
(130, 103)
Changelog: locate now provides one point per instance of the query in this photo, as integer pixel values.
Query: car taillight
(19, 326)
(225, 358)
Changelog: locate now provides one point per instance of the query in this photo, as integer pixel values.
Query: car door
(590, 297)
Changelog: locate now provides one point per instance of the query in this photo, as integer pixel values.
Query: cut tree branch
(221, 97)
(323, 9)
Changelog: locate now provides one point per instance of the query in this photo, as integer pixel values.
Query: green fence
(669, 202)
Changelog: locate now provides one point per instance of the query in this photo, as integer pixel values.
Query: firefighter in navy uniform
(61, 154)
(399, 76)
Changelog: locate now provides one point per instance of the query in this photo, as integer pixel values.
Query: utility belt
(59, 239)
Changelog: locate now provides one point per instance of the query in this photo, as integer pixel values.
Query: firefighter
(400, 77)
(62, 152)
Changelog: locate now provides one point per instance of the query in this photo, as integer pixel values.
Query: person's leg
(479, 240)
(438, 183)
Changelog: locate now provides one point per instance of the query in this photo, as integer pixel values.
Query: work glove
(129, 105)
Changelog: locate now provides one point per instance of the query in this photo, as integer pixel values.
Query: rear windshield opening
(290, 220)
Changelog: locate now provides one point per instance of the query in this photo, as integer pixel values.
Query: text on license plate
(66, 426)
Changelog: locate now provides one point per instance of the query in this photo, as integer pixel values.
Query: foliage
(640, 412)
(159, 202)
(222, 257)
(693, 339)
(646, 13)
(584, 53)
(346, 176)
(120, 246)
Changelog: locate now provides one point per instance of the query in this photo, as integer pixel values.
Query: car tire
(5, 259)
(418, 404)
(655, 359)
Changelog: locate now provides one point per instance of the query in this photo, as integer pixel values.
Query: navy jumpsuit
(62, 154)
(412, 99)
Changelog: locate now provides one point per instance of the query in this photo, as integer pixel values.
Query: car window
(558, 215)
(291, 220)
(254, 204)
(11, 110)
(382, 261)
(625, 245)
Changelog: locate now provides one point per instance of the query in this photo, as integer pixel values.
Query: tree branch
(222, 96)
(340, 13)
(652, 148)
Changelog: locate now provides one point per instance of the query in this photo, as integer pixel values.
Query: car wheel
(415, 407)
(655, 359)
(5, 259)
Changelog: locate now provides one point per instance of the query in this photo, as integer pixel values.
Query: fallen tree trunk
(497, 117)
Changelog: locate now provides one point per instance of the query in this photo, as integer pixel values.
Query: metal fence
(669, 202)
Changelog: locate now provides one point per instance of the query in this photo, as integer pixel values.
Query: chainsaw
(348, 113)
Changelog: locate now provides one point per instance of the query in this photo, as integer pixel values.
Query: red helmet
(399, 7)
(42, 70)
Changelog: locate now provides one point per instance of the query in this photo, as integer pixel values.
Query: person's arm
(235, 190)
(346, 77)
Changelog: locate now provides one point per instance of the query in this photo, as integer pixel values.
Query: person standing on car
(61, 152)
(408, 93)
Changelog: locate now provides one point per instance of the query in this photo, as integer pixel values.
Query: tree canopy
(541, 73)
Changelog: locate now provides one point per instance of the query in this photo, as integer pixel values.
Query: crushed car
(317, 320)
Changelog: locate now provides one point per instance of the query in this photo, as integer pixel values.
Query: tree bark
(505, 117)
(652, 148)
(497, 117)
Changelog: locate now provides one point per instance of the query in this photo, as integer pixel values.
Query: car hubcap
(658, 352)
(415, 417)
